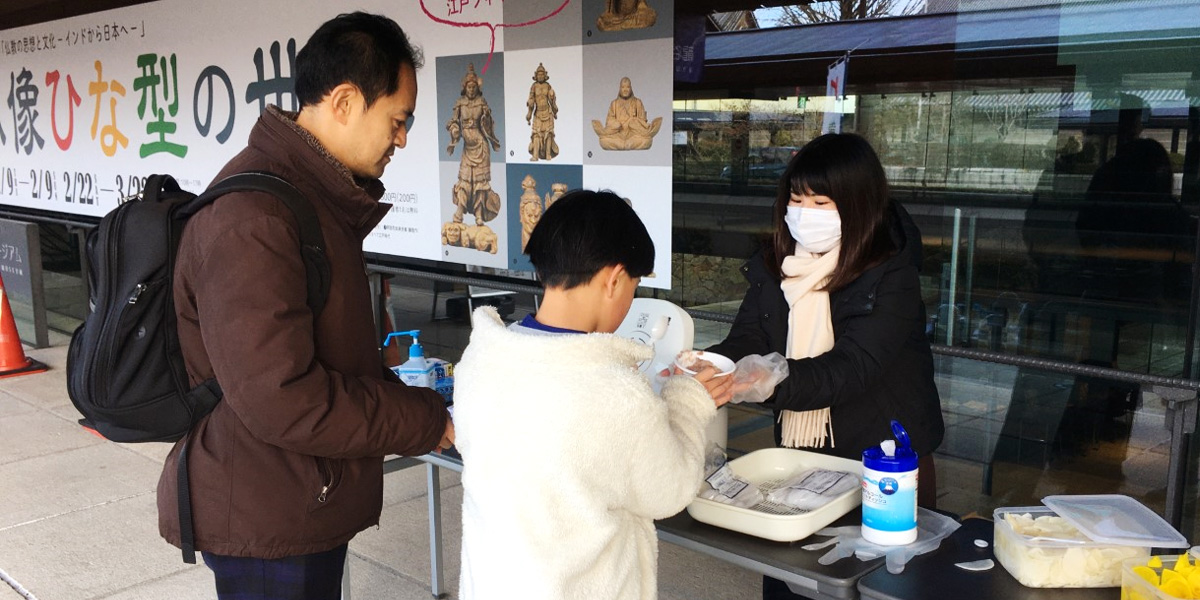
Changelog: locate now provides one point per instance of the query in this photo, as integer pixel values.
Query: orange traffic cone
(13, 361)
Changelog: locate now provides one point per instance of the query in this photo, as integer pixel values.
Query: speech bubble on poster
(491, 27)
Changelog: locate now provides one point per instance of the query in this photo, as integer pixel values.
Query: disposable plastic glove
(755, 377)
(932, 528)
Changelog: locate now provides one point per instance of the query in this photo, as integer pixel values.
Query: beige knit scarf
(810, 333)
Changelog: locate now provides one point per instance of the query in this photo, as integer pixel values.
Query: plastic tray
(768, 468)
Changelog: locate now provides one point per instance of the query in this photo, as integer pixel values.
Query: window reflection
(1071, 210)
(1057, 198)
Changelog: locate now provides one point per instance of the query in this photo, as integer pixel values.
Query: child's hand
(447, 437)
(720, 388)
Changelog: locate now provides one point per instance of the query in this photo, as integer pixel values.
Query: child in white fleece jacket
(568, 454)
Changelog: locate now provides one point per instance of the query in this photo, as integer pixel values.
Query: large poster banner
(518, 102)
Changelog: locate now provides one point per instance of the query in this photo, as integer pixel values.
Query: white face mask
(815, 230)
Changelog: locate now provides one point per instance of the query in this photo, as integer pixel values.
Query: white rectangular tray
(767, 469)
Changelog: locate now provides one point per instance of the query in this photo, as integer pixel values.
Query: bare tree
(824, 11)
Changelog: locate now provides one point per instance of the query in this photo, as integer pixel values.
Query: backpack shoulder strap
(312, 241)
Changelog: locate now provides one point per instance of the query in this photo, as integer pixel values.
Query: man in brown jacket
(288, 467)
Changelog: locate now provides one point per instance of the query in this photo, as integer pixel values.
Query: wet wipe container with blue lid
(889, 491)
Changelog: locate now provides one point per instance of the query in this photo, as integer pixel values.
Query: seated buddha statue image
(626, 126)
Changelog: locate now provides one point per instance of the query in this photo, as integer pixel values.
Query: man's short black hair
(359, 48)
(585, 231)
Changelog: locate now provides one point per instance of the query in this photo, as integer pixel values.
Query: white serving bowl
(722, 363)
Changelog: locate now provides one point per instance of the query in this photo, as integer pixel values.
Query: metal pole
(1191, 187)
(37, 286)
(949, 135)
(437, 585)
(970, 271)
(950, 309)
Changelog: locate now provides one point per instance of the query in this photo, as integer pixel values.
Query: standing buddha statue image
(543, 110)
(472, 124)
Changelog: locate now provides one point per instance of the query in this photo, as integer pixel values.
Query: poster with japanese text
(518, 102)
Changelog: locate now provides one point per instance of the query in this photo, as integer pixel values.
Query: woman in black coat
(837, 293)
(880, 366)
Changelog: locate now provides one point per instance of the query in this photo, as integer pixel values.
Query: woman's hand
(755, 377)
(746, 384)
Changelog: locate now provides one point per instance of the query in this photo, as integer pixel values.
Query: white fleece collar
(491, 329)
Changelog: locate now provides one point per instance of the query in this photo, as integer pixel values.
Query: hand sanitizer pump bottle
(416, 371)
(889, 491)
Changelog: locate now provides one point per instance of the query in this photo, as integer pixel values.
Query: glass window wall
(1050, 156)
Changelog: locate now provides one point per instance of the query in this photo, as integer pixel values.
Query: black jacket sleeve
(747, 335)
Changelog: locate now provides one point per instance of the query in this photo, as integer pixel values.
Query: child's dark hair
(360, 48)
(585, 231)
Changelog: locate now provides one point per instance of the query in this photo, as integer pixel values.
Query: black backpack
(125, 371)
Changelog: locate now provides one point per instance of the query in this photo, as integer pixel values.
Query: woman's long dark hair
(844, 167)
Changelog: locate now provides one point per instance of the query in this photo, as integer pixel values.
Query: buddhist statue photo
(472, 124)
(626, 127)
(556, 191)
(530, 209)
(620, 15)
(543, 110)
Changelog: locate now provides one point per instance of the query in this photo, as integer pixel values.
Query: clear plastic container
(1098, 534)
(1116, 519)
(1058, 562)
